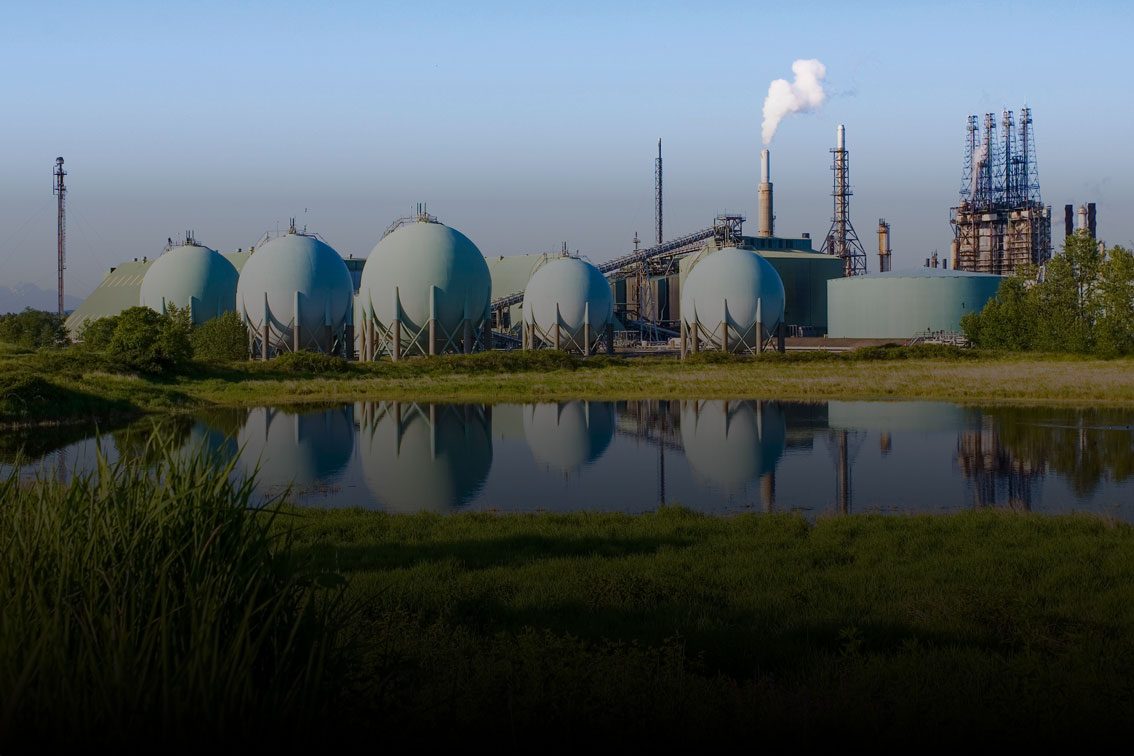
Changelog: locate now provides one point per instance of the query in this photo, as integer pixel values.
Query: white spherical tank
(731, 443)
(426, 271)
(296, 280)
(737, 287)
(568, 435)
(418, 457)
(191, 276)
(570, 293)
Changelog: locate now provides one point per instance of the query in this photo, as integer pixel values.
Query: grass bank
(66, 385)
(675, 627)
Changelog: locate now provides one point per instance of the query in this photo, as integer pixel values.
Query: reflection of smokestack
(765, 221)
(883, 245)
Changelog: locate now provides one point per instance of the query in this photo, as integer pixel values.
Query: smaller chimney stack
(883, 245)
(765, 220)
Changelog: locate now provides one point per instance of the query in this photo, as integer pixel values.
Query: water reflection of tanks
(732, 443)
(568, 435)
(297, 447)
(418, 457)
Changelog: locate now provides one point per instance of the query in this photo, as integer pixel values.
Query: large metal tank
(193, 276)
(731, 290)
(425, 290)
(902, 304)
(568, 435)
(295, 293)
(732, 443)
(567, 305)
(424, 457)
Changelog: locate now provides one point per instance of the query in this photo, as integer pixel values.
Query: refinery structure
(1001, 224)
(427, 289)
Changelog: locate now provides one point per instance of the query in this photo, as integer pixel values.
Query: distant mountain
(22, 296)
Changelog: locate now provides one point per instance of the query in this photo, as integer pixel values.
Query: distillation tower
(842, 241)
(1001, 223)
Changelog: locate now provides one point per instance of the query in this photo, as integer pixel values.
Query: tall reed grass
(146, 600)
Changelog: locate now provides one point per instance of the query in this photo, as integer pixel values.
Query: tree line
(1081, 302)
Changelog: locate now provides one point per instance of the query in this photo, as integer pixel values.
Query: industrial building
(1001, 223)
(906, 304)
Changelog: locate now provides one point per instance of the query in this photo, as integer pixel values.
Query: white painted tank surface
(424, 457)
(303, 448)
(732, 443)
(296, 279)
(566, 436)
(193, 276)
(737, 287)
(569, 292)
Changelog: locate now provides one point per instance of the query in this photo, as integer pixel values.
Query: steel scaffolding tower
(61, 193)
(842, 240)
(1001, 223)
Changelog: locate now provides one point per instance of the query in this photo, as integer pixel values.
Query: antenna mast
(61, 193)
(658, 190)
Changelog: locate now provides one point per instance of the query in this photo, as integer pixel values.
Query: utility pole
(61, 194)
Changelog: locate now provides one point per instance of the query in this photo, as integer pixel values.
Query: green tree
(96, 334)
(222, 339)
(1068, 297)
(33, 328)
(148, 342)
(1115, 327)
(1008, 321)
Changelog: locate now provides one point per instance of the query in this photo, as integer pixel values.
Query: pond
(714, 456)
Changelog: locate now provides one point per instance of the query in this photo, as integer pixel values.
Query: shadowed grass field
(68, 385)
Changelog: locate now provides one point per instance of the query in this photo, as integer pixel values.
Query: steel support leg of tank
(295, 320)
(780, 338)
(724, 334)
(524, 338)
(609, 335)
(696, 337)
(759, 336)
(295, 337)
(432, 336)
(265, 332)
(467, 337)
(251, 343)
(396, 347)
(558, 341)
(587, 338)
(368, 339)
(348, 343)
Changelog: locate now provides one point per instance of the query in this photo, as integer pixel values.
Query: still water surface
(710, 455)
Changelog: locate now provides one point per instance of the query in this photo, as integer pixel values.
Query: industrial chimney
(883, 245)
(765, 222)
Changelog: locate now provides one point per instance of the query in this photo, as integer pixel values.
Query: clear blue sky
(524, 125)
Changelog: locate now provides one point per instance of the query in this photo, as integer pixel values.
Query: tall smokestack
(1091, 227)
(883, 245)
(766, 221)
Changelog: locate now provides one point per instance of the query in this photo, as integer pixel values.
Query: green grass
(75, 384)
(675, 627)
(144, 602)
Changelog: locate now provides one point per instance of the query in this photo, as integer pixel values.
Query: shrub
(151, 343)
(96, 334)
(309, 363)
(33, 328)
(144, 602)
(222, 339)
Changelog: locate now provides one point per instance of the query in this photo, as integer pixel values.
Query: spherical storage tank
(424, 271)
(902, 304)
(572, 294)
(191, 276)
(295, 280)
(735, 288)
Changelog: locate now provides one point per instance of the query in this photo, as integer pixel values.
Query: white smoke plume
(785, 97)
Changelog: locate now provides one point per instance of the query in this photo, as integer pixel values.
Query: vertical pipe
(587, 329)
(432, 320)
(295, 327)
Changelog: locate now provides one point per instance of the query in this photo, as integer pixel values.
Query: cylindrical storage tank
(568, 294)
(732, 443)
(732, 289)
(568, 435)
(425, 457)
(295, 280)
(191, 276)
(423, 273)
(902, 304)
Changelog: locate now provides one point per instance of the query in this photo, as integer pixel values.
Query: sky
(527, 125)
